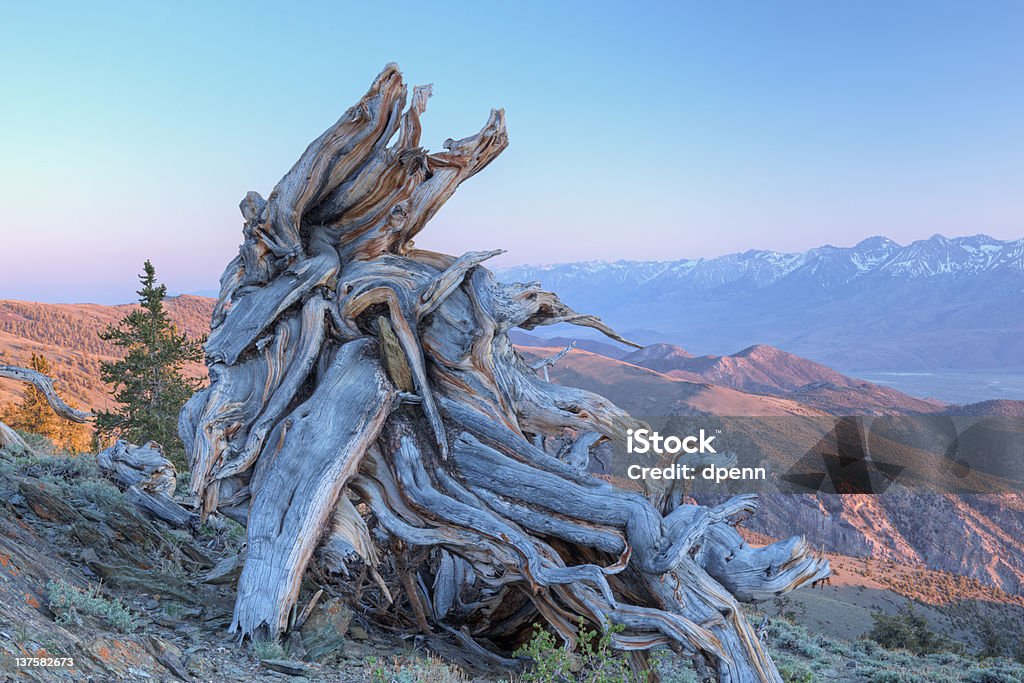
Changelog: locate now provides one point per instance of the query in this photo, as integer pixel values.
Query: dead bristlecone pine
(365, 397)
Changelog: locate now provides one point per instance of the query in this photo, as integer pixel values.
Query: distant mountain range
(931, 305)
(757, 380)
(763, 371)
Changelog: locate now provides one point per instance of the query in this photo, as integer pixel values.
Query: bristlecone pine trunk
(366, 401)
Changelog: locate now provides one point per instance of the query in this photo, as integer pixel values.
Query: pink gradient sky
(660, 131)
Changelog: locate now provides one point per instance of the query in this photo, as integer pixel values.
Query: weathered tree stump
(346, 362)
(144, 467)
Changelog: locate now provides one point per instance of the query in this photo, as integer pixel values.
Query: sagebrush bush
(267, 649)
(795, 673)
(68, 602)
(428, 669)
(66, 467)
(98, 491)
(39, 444)
(674, 669)
(998, 672)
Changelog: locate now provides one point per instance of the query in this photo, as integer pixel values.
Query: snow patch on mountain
(826, 265)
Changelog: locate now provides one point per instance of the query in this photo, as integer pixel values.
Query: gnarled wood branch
(346, 362)
(10, 439)
(144, 467)
(45, 385)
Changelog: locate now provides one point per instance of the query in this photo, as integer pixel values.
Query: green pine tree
(147, 382)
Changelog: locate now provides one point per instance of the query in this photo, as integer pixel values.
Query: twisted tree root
(346, 362)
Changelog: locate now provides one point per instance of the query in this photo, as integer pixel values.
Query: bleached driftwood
(45, 385)
(344, 361)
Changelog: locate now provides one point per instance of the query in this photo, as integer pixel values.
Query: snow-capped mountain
(938, 255)
(935, 303)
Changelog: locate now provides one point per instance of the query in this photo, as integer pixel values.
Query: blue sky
(638, 130)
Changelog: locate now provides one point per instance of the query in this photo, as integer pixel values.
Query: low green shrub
(69, 602)
(795, 673)
(97, 491)
(908, 630)
(428, 669)
(549, 660)
(267, 649)
(595, 661)
(65, 467)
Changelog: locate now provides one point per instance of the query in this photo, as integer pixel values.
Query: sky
(638, 130)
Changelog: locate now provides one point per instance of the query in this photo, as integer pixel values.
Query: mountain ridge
(764, 369)
(903, 525)
(934, 255)
(932, 305)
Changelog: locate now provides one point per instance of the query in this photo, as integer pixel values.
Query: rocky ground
(91, 587)
(85, 578)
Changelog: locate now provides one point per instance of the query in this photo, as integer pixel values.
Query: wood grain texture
(148, 479)
(144, 467)
(297, 485)
(366, 399)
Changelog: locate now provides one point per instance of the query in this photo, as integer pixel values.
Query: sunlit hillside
(68, 335)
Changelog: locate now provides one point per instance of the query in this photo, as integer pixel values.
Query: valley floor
(952, 386)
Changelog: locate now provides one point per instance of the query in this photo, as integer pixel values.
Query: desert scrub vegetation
(428, 669)
(100, 492)
(49, 463)
(594, 660)
(908, 630)
(36, 443)
(794, 672)
(932, 587)
(267, 649)
(77, 476)
(803, 657)
(69, 603)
